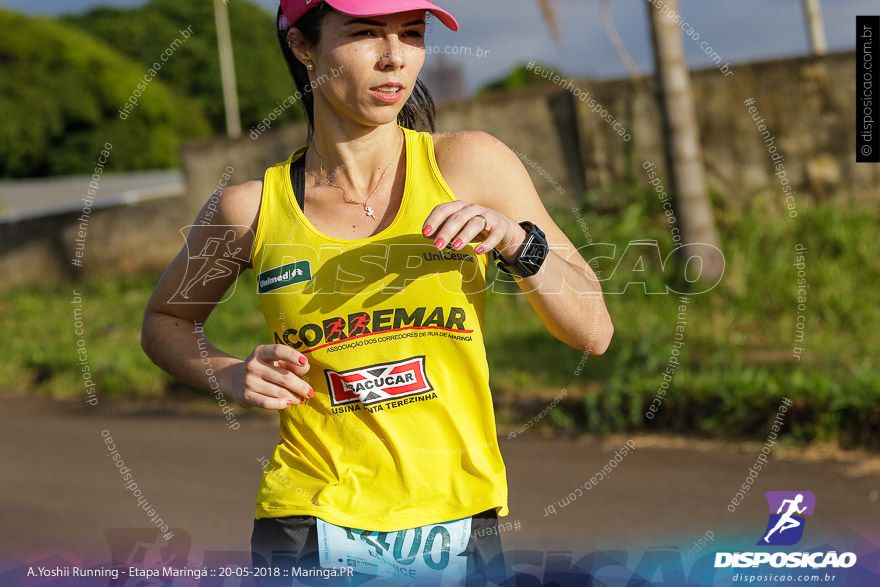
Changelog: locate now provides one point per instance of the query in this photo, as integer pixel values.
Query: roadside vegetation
(735, 366)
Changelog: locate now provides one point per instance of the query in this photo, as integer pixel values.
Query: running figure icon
(219, 258)
(787, 521)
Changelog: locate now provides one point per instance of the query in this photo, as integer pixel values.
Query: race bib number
(426, 555)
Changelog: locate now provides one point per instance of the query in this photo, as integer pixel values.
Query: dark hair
(417, 114)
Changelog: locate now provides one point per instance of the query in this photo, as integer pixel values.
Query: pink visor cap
(295, 9)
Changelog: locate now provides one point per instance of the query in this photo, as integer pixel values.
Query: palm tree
(682, 137)
(815, 27)
(683, 149)
(549, 13)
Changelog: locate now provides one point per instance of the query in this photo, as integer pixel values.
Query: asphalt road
(60, 493)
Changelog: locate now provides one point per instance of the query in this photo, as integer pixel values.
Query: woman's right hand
(270, 378)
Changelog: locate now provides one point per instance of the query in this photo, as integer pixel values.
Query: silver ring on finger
(485, 223)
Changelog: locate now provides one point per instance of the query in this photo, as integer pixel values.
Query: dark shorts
(292, 541)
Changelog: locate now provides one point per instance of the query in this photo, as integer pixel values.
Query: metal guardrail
(35, 198)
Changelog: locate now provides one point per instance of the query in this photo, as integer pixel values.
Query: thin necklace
(368, 210)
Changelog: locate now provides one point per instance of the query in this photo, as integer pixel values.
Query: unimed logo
(286, 275)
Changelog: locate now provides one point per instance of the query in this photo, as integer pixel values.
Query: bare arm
(217, 249)
(489, 180)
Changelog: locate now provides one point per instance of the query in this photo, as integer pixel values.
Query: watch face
(531, 256)
(533, 253)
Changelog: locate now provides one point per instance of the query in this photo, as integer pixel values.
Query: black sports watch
(531, 255)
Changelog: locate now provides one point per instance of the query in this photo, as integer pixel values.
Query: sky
(500, 34)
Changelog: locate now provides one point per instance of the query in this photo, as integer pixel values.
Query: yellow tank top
(401, 431)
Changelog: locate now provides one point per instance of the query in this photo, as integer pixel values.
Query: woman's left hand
(461, 223)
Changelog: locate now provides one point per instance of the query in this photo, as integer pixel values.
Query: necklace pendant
(368, 210)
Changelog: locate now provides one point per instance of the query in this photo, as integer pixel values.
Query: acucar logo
(378, 383)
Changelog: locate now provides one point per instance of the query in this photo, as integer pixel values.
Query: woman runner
(370, 246)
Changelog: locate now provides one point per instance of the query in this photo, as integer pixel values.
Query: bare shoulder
(468, 147)
(235, 205)
(471, 161)
(480, 168)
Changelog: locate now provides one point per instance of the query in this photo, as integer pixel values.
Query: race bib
(426, 555)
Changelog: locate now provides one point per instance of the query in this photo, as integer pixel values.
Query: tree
(520, 77)
(815, 27)
(144, 32)
(549, 13)
(60, 97)
(682, 137)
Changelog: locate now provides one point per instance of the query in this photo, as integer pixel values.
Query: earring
(310, 67)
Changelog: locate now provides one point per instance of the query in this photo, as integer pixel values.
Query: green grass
(736, 364)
